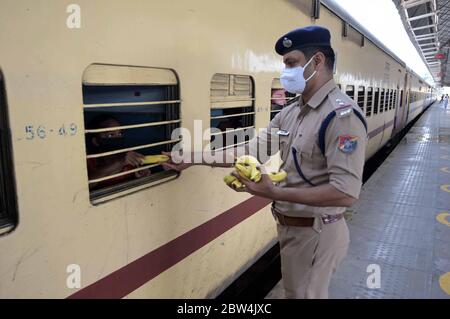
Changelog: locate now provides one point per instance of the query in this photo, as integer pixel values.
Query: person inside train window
(278, 99)
(229, 123)
(112, 164)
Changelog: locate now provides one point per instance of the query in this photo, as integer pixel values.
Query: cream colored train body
(60, 233)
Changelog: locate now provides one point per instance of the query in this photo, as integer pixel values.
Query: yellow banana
(229, 179)
(244, 170)
(232, 181)
(154, 159)
(237, 184)
(277, 177)
(247, 159)
(248, 167)
(255, 174)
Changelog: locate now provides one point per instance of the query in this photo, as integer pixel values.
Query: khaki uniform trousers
(310, 255)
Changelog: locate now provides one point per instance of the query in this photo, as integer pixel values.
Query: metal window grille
(232, 110)
(146, 104)
(369, 101)
(361, 96)
(8, 205)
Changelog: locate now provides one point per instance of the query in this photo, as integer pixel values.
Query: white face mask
(293, 80)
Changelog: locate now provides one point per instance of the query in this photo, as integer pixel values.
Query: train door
(407, 102)
(399, 119)
(405, 105)
(397, 110)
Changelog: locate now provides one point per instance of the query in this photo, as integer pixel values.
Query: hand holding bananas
(248, 177)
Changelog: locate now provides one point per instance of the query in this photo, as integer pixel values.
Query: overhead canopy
(428, 26)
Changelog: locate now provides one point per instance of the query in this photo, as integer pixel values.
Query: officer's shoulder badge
(347, 143)
(342, 108)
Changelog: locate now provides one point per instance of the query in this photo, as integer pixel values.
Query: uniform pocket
(284, 144)
(308, 147)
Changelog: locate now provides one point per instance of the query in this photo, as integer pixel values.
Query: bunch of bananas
(248, 167)
(155, 159)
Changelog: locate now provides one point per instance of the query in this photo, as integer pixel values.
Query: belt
(304, 221)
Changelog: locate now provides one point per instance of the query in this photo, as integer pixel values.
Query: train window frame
(382, 100)
(376, 100)
(369, 103)
(391, 99)
(387, 100)
(289, 97)
(352, 89)
(395, 99)
(9, 215)
(229, 100)
(401, 99)
(388, 104)
(107, 89)
(361, 93)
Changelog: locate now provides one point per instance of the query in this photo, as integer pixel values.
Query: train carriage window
(391, 99)
(8, 207)
(279, 98)
(382, 100)
(232, 110)
(401, 98)
(129, 113)
(395, 99)
(376, 101)
(361, 96)
(369, 101)
(350, 91)
(388, 100)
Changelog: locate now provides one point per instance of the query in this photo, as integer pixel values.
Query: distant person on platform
(446, 101)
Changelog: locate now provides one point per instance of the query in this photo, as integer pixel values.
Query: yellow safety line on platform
(444, 282)
(442, 218)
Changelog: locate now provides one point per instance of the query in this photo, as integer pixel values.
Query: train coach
(74, 227)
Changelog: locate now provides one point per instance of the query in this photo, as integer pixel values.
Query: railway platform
(400, 227)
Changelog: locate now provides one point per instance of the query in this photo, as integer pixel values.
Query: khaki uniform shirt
(341, 167)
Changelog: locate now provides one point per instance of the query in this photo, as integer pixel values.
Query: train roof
(345, 16)
(334, 7)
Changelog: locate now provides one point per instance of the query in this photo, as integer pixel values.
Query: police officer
(323, 138)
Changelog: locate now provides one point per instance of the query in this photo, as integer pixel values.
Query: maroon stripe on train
(380, 129)
(135, 274)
